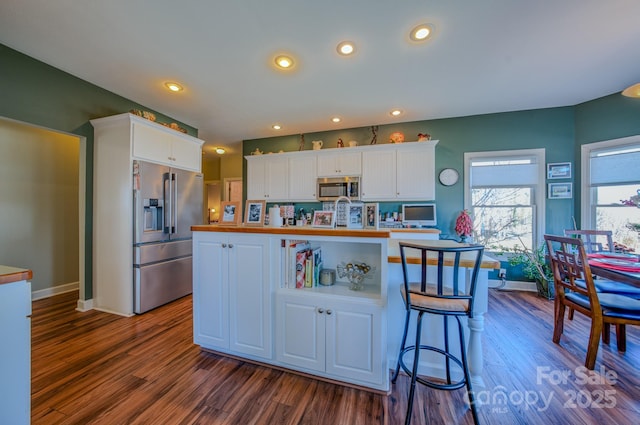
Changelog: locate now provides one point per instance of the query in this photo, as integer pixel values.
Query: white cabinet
(231, 293)
(302, 177)
(155, 143)
(341, 339)
(339, 162)
(401, 172)
(267, 177)
(15, 364)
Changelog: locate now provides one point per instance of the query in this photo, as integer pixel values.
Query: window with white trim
(611, 189)
(504, 193)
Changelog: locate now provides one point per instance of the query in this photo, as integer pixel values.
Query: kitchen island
(246, 302)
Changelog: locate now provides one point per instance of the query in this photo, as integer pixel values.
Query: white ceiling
(485, 56)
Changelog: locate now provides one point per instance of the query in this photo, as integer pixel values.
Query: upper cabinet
(339, 163)
(155, 143)
(302, 177)
(267, 177)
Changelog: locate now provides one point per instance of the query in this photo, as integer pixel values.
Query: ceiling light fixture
(421, 32)
(276, 126)
(336, 119)
(174, 87)
(632, 91)
(284, 62)
(220, 151)
(395, 113)
(346, 48)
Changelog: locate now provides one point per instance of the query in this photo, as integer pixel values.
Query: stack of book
(303, 264)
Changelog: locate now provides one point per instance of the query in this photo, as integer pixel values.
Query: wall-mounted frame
(356, 216)
(560, 191)
(559, 170)
(324, 219)
(230, 214)
(254, 213)
(371, 213)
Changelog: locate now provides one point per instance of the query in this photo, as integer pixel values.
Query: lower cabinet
(340, 339)
(231, 293)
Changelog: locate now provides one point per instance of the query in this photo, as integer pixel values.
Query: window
(610, 188)
(504, 192)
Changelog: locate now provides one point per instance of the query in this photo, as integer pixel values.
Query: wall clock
(448, 177)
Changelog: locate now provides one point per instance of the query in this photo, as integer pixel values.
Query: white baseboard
(106, 310)
(54, 290)
(512, 285)
(84, 305)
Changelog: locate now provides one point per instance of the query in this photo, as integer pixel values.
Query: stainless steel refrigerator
(167, 202)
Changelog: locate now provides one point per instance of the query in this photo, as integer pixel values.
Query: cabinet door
(339, 163)
(277, 174)
(256, 187)
(416, 174)
(151, 144)
(210, 291)
(350, 163)
(302, 178)
(354, 342)
(186, 154)
(300, 330)
(249, 296)
(378, 175)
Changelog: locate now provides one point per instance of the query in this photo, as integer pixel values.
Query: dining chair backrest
(447, 263)
(593, 239)
(570, 267)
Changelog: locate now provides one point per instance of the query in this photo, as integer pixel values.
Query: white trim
(84, 305)
(106, 310)
(54, 290)
(513, 285)
(585, 192)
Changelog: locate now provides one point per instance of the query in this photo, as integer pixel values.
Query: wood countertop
(294, 230)
(14, 274)
(394, 253)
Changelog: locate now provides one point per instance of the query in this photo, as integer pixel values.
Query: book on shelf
(292, 247)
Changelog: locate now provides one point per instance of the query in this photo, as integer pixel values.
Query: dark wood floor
(97, 368)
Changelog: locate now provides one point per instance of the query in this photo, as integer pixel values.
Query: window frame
(538, 192)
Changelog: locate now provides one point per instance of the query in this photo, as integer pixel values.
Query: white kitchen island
(245, 305)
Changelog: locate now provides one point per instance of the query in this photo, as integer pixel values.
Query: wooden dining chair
(570, 265)
(592, 239)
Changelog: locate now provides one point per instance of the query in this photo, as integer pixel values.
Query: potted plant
(464, 225)
(535, 267)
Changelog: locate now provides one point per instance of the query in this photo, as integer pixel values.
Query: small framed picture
(356, 216)
(254, 213)
(230, 214)
(560, 190)
(559, 170)
(323, 219)
(371, 220)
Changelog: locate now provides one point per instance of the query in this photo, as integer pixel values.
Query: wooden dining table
(619, 267)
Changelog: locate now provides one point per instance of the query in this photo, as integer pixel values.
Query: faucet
(338, 199)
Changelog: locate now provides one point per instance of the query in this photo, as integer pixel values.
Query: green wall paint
(36, 93)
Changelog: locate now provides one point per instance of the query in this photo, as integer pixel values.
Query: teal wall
(39, 94)
(552, 129)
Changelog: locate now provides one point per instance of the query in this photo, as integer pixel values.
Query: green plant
(534, 266)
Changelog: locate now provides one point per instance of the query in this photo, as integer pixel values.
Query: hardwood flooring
(97, 368)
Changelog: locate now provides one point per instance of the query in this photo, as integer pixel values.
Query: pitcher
(317, 145)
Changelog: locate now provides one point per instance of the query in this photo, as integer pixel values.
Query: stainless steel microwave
(330, 188)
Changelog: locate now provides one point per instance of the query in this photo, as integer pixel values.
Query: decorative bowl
(356, 273)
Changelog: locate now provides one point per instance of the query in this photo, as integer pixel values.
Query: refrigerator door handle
(166, 186)
(174, 204)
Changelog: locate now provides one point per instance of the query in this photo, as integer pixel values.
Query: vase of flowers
(464, 225)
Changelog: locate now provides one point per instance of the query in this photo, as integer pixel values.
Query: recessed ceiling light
(335, 119)
(220, 151)
(276, 126)
(346, 48)
(421, 32)
(284, 61)
(174, 87)
(395, 113)
(632, 91)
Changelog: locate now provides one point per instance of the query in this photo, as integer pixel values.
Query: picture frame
(371, 216)
(324, 219)
(560, 191)
(230, 215)
(254, 212)
(559, 170)
(355, 217)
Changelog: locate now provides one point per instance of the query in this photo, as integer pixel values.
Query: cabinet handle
(230, 245)
(224, 245)
(320, 310)
(329, 312)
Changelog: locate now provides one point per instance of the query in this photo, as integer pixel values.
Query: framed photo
(560, 190)
(254, 213)
(323, 219)
(356, 216)
(559, 170)
(230, 214)
(371, 212)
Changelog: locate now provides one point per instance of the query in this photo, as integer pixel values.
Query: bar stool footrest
(433, 384)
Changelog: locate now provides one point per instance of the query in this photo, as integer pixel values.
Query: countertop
(309, 230)
(14, 274)
(394, 254)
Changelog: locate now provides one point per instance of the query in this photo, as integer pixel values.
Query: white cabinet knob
(329, 312)
(320, 310)
(224, 245)
(230, 245)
